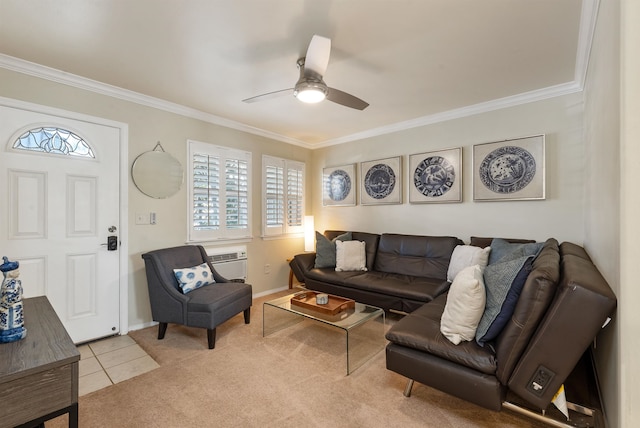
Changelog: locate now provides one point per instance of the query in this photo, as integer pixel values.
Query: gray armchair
(206, 307)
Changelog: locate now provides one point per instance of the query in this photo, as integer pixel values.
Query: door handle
(112, 243)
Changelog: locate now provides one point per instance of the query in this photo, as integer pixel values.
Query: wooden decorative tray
(336, 304)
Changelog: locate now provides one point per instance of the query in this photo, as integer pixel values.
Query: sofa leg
(162, 329)
(211, 337)
(247, 315)
(407, 389)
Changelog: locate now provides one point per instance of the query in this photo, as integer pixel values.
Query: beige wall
(628, 314)
(602, 201)
(560, 215)
(147, 126)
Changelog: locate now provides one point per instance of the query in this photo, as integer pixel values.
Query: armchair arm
(167, 303)
(216, 276)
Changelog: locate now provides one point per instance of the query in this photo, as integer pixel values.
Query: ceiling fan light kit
(310, 91)
(310, 87)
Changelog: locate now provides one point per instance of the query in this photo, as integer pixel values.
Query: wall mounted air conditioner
(230, 262)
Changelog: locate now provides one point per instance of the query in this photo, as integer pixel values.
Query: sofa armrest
(301, 264)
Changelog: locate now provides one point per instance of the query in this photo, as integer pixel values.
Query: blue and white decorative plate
(379, 181)
(338, 185)
(434, 176)
(507, 169)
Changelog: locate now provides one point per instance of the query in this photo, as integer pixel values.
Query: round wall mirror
(157, 174)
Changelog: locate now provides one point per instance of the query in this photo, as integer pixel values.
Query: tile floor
(112, 360)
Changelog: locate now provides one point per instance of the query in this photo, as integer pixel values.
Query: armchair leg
(247, 315)
(162, 329)
(211, 337)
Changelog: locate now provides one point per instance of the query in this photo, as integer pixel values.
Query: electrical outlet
(267, 269)
(540, 380)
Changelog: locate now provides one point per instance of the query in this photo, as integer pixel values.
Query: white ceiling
(414, 61)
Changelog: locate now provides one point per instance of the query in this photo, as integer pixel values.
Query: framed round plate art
(509, 170)
(436, 176)
(381, 181)
(339, 185)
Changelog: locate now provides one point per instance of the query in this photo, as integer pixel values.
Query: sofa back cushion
(423, 256)
(370, 243)
(537, 293)
(483, 242)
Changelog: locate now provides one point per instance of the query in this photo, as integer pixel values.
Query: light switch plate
(142, 218)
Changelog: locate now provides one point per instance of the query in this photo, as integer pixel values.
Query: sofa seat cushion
(213, 304)
(330, 275)
(404, 286)
(421, 330)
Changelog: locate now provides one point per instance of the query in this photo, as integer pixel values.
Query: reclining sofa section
(564, 304)
(403, 271)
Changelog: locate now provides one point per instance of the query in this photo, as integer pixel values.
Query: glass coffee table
(363, 326)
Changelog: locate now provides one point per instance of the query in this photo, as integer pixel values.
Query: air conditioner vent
(224, 257)
(230, 262)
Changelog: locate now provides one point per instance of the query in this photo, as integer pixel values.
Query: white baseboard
(273, 290)
(143, 325)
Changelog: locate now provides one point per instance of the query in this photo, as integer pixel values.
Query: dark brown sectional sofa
(563, 305)
(403, 271)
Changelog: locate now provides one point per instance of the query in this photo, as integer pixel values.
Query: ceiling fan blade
(318, 54)
(269, 95)
(348, 100)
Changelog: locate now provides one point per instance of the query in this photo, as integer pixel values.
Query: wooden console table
(39, 374)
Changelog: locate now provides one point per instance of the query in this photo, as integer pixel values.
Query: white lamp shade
(309, 234)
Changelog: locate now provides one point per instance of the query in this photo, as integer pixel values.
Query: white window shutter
(219, 192)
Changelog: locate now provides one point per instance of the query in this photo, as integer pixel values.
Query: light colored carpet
(293, 378)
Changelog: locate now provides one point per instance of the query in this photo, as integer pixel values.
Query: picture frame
(339, 185)
(436, 177)
(509, 170)
(381, 181)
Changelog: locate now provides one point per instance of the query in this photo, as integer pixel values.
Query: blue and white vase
(11, 308)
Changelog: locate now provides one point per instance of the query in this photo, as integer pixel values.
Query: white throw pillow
(350, 255)
(467, 255)
(465, 306)
(191, 278)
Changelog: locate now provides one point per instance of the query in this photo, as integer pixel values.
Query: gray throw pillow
(326, 249)
(503, 250)
(504, 279)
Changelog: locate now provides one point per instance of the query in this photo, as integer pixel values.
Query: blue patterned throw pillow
(191, 278)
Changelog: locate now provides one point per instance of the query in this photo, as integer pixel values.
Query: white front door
(59, 210)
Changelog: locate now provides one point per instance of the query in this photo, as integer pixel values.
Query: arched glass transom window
(54, 140)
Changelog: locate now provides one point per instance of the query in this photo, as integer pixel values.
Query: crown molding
(54, 75)
(501, 103)
(588, 20)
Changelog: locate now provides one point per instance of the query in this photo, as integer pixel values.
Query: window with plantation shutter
(283, 196)
(219, 192)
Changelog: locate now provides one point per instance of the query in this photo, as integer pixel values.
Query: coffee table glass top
(363, 326)
(347, 319)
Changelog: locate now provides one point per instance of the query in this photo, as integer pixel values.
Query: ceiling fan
(310, 87)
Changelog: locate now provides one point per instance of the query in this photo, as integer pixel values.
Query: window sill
(283, 236)
(242, 240)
